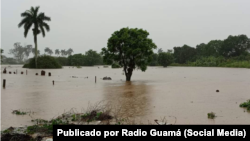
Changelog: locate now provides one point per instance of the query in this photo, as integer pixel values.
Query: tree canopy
(235, 46)
(130, 48)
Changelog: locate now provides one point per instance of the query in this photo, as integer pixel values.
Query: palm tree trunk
(35, 40)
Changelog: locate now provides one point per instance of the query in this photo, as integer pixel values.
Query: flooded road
(187, 93)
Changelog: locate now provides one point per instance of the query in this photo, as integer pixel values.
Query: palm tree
(69, 51)
(57, 52)
(32, 17)
(48, 50)
(63, 52)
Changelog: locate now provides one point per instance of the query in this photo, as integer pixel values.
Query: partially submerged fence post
(95, 79)
(4, 81)
(26, 72)
(53, 82)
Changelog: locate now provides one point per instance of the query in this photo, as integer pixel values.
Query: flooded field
(187, 93)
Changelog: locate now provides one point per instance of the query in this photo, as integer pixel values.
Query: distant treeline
(90, 58)
(231, 52)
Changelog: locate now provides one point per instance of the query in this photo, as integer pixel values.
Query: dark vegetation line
(231, 52)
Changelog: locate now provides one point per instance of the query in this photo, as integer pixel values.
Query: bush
(246, 105)
(115, 66)
(26, 66)
(165, 59)
(210, 61)
(43, 62)
(211, 115)
(63, 61)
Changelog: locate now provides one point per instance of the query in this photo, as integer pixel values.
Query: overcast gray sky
(87, 24)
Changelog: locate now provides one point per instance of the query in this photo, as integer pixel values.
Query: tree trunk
(128, 77)
(35, 40)
(128, 74)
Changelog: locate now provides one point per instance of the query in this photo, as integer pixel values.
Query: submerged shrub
(211, 115)
(246, 105)
(115, 66)
(43, 62)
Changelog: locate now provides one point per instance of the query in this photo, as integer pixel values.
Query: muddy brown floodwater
(187, 93)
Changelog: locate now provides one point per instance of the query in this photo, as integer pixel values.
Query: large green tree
(130, 48)
(235, 46)
(38, 20)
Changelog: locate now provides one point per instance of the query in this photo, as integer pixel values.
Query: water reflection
(131, 98)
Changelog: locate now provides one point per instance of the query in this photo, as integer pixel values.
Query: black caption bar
(79, 132)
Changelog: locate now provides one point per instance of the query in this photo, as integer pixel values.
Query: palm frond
(40, 15)
(26, 14)
(24, 20)
(30, 12)
(26, 29)
(36, 10)
(46, 26)
(42, 29)
(32, 9)
(45, 18)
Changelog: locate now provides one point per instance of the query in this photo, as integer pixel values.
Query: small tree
(165, 59)
(20, 52)
(130, 48)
